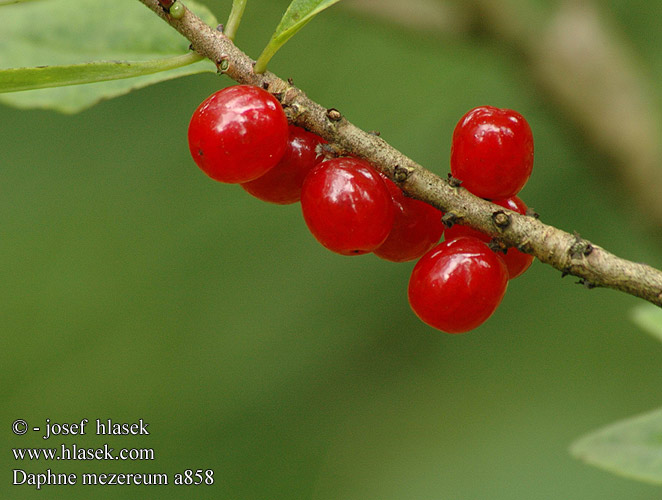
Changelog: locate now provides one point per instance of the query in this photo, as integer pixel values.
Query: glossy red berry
(517, 262)
(347, 206)
(457, 285)
(417, 227)
(282, 184)
(238, 133)
(492, 152)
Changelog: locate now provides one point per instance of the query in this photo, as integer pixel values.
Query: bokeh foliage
(135, 287)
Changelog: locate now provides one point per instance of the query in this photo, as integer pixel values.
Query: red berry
(417, 227)
(457, 285)
(238, 134)
(282, 184)
(492, 152)
(347, 206)
(517, 262)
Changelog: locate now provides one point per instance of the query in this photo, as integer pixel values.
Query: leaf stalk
(234, 19)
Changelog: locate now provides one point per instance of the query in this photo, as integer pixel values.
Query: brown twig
(568, 253)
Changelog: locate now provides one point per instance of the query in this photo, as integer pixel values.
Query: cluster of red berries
(241, 135)
(459, 284)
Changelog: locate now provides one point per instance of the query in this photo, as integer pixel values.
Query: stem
(566, 252)
(265, 57)
(234, 19)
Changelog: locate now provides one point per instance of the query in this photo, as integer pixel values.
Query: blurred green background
(133, 287)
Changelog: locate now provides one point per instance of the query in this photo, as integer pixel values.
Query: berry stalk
(567, 252)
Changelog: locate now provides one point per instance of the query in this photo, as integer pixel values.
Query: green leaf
(649, 319)
(631, 448)
(8, 2)
(298, 14)
(18, 79)
(123, 39)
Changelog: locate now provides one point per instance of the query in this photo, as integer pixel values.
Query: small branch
(566, 252)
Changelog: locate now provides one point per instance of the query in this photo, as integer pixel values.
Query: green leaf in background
(72, 32)
(649, 319)
(298, 14)
(631, 448)
(18, 79)
(8, 2)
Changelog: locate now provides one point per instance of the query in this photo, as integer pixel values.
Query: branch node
(450, 219)
(333, 115)
(497, 246)
(587, 284)
(331, 150)
(454, 181)
(176, 11)
(293, 111)
(166, 4)
(532, 213)
(401, 174)
(223, 64)
(501, 219)
(580, 248)
(525, 246)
